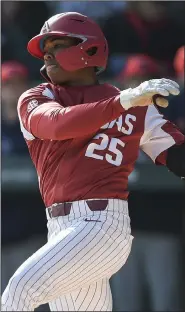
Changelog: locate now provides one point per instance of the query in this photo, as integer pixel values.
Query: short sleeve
(159, 134)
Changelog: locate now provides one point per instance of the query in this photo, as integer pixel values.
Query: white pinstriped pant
(71, 271)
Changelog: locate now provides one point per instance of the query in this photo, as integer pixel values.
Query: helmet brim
(35, 45)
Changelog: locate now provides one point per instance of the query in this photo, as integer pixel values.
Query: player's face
(52, 46)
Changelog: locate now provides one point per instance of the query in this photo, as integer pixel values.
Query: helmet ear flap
(44, 73)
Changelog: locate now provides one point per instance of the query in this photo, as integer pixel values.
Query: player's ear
(44, 73)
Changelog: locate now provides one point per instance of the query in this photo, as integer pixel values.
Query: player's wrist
(126, 97)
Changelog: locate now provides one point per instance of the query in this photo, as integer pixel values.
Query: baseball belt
(63, 209)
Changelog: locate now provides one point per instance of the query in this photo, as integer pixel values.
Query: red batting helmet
(74, 25)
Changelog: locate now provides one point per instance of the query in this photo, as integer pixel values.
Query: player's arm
(45, 118)
(163, 142)
(50, 120)
(175, 159)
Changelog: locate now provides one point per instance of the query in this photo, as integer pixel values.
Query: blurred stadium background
(146, 40)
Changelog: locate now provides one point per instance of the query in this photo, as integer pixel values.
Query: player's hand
(143, 95)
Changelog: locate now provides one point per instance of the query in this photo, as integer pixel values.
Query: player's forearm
(66, 123)
(175, 160)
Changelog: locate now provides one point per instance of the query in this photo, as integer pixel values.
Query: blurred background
(146, 40)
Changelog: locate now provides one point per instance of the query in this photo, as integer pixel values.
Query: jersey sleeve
(41, 116)
(30, 101)
(159, 135)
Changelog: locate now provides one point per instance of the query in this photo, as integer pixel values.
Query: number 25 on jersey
(112, 145)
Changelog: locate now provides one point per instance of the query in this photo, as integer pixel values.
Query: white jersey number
(106, 143)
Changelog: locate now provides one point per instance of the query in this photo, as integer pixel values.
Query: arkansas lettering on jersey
(84, 145)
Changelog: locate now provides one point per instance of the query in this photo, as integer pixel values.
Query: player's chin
(57, 77)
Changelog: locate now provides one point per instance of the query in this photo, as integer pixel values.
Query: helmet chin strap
(44, 73)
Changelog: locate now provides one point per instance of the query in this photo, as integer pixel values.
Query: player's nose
(48, 57)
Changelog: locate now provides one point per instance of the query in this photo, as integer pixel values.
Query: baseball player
(83, 138)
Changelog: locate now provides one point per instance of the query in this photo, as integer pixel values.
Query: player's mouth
(52, 68)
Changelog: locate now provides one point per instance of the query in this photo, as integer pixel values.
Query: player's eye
(58, 45)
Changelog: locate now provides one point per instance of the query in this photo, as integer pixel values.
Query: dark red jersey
(84, 144)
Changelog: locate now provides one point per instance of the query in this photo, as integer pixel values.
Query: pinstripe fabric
(78, 257)
(95, 297)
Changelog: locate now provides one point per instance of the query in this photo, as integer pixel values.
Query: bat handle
(155, 97)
